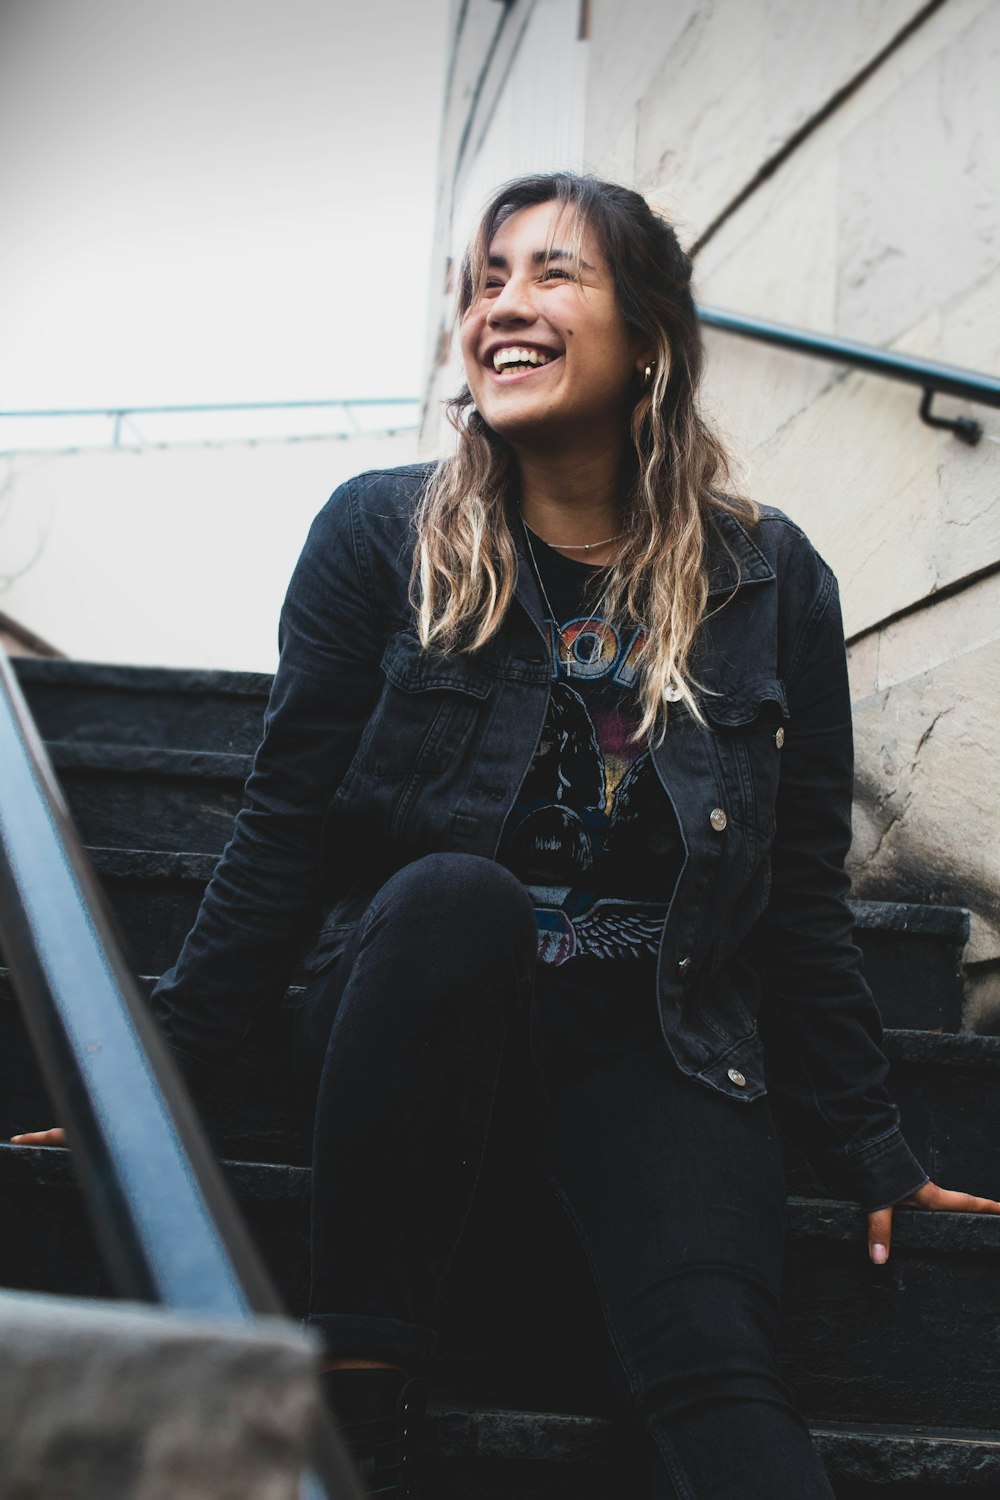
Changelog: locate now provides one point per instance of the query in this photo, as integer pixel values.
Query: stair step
(122, 796)
(911, 952)
(913, 959)
(946, 1085)
(550, 1455)
(916, 1342)
(155, 895)
(155, 706)
(919, 1462)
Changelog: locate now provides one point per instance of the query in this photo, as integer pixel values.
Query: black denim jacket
(376, 752)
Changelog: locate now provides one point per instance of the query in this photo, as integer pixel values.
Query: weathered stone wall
(837, 168)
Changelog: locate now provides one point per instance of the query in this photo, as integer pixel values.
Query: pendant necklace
(542, 590)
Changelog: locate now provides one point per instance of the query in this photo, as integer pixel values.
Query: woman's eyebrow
(538, 258)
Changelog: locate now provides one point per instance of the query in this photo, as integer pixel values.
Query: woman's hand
(929, 1196)
(54, 1137)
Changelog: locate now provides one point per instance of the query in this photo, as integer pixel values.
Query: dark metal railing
(162, 1214)
(934, 379)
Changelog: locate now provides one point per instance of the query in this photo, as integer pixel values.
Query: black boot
(380, 1416)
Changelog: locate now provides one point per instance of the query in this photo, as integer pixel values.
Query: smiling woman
(557, 779)
(605, 415)
(545, 343)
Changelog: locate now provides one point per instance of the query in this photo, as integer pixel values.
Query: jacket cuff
(876, 1176)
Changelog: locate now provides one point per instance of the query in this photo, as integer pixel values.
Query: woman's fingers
(54, 1137)
(879, 1235)
(937, 1198)
(930, 1196)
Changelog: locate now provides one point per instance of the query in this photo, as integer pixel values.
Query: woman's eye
(553, 273)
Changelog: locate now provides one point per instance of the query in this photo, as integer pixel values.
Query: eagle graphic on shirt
(591, 824)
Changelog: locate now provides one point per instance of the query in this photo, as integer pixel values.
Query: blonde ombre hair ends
(465, 561)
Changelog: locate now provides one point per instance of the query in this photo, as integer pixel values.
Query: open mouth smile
(517, 359)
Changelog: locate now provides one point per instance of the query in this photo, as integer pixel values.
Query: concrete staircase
(896, 1369)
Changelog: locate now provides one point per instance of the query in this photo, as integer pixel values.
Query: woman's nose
(513, 303)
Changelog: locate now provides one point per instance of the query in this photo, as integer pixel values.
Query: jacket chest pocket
(748, 725)
(425, 713)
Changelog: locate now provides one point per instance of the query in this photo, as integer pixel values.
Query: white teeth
(513, 356)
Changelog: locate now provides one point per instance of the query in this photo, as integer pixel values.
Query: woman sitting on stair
(560, 744)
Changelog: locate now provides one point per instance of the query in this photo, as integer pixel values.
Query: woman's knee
(460, 900)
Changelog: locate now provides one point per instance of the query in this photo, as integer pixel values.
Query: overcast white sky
(216, 200)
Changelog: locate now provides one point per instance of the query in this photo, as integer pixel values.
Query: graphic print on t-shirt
(592, 834)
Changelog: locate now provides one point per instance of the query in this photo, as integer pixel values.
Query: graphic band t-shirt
(592, 834)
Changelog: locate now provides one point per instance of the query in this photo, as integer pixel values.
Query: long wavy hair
(677, 475)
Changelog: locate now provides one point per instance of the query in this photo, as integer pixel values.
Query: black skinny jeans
(424, 1031)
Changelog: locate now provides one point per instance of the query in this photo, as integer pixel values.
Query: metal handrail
(932, 377)
(161, 1212)
(129, 411)
(121, 414)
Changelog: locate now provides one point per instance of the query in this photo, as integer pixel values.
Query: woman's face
(548, 355)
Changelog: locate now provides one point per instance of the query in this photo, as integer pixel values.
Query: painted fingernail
(879, 1254)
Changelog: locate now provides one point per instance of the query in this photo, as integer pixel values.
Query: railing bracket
(965, 428)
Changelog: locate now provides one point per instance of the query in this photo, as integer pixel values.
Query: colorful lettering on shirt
(589, 648)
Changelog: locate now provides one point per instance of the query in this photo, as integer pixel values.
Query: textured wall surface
(837, 168)
(883, 225)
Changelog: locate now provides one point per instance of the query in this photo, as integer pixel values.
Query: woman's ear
(647, 367)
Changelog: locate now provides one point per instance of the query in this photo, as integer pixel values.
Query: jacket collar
(734, 559)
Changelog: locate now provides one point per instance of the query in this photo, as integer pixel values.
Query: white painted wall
(167, 556)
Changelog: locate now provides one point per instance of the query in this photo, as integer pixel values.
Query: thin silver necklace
(579, 546)
(585, 546)
(545, 598)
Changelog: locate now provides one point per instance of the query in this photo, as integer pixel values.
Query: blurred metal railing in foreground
(67, 429)
(162, 1215)
(933, 379)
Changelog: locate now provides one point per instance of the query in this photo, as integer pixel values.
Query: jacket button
(718, 819)
(735, 1076)
(672, 693)
(779, 737)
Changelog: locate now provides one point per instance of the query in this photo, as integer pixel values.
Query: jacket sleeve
(265, 894)
(820, 1027)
